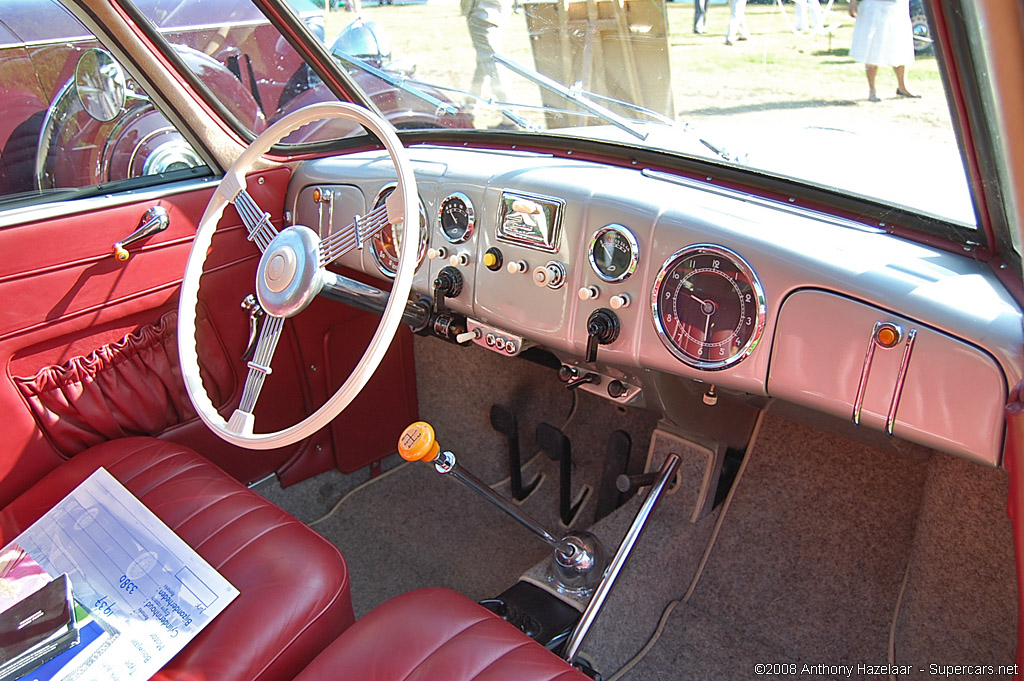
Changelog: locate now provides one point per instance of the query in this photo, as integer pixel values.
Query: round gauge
(456, 217)
(614, 253)
(708, 306)
(385, 248)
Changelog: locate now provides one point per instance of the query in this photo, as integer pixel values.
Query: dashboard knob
(619, 301)
(493, 259)
(551, 275)
(517, 267)
(589, 293)
(435, 253)
(459, 259)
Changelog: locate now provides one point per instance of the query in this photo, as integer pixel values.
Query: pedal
(616, 464)
(504, 422)
(558, 448)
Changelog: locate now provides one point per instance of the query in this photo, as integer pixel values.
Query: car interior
(622, 403)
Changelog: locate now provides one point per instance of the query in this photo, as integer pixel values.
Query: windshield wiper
(574, 95)
(398, 82)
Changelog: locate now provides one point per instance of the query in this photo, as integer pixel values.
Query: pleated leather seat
(294, 588)
(436, 635)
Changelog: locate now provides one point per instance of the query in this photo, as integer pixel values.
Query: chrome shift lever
(579, 557)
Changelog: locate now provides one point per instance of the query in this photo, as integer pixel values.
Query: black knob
(566, 373)
(630, 483)
(616, 389)
(602, 329)
(447, 284)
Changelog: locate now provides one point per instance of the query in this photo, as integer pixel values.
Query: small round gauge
(385, 248)
(456, 217)
(614, 253)
(708, 306)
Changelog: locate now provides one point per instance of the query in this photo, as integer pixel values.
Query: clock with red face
(708, 306)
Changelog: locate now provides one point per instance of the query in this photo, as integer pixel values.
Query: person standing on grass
(882, 36)
(700, 16)
(737, 22)
(807, 15)
(486, 20)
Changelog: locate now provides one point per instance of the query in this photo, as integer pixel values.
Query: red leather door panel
(66, 302)
(65, 296)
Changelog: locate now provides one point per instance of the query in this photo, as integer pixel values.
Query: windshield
(842, 95)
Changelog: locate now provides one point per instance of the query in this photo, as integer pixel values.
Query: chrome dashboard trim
(901, 378)
(505, 231)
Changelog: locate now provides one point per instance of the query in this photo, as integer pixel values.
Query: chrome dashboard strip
(760, 201)
(56, 209)
(890, 421)
(869, 356)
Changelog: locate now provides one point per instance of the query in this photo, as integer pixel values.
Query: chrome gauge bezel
(421, 253)
(470, 214)
(634, 252)
(741, 267)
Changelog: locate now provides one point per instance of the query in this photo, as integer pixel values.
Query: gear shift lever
(579, 559)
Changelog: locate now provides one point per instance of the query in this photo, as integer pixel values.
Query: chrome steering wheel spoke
(360, 231)
(257, 222)
(241, 421)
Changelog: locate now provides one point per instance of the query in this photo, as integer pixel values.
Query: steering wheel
(290, 274)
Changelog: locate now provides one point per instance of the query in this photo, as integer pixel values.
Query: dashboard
(628, 275)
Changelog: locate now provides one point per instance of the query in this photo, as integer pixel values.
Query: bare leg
(871, 70)
(901, 83)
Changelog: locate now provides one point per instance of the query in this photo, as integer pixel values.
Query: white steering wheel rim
(233, 182)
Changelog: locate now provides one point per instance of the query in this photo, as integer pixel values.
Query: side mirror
(100, 85)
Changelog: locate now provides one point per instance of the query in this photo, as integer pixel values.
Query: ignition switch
(602, 329)
(447, 284)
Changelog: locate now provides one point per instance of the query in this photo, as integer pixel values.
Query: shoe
(874, 98)
(728, 41)
(909, 95)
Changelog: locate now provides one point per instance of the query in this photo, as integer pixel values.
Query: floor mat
(413, 528)
(808, 563)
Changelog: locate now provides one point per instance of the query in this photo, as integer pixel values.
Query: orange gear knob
(417, 442)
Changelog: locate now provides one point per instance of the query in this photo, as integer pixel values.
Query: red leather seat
(436, 635)
(294, 589)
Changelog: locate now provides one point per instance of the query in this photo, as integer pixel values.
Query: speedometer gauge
(708, 306)
(614, 253)
(456, 217)
(384, 247)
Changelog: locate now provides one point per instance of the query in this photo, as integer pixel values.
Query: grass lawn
(777, 72)
(773, 87)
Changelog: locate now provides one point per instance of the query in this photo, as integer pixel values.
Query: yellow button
(417, 443)
(490, 259)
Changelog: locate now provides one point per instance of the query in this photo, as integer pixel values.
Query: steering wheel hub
(288, 276)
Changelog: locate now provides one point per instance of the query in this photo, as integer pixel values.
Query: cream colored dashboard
(754, 296)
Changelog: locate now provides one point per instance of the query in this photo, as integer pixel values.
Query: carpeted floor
(807, 564)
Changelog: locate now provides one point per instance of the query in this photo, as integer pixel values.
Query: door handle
(153, 220)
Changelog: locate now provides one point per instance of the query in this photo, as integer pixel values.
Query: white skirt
(882, 34)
